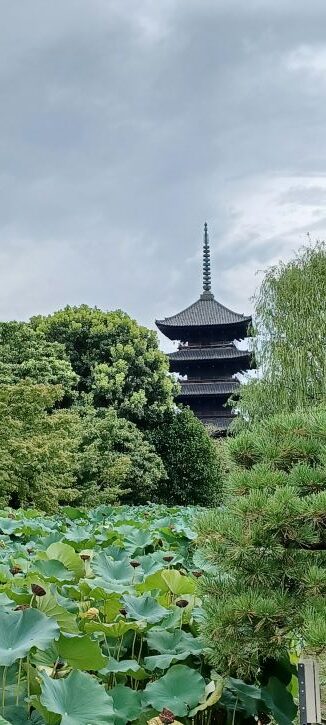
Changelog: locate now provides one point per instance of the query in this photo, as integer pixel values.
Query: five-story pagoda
(207, 357)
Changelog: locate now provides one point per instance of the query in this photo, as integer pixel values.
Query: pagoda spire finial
(207, 291)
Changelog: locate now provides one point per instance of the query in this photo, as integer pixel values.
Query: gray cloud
(125, 125)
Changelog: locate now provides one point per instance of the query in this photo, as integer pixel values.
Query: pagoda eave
(231, 330)
(211, 389)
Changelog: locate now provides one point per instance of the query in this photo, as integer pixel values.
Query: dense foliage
(115, 461)
(99, 624)
(191, 461)
(116, 360)
(126, 439)
(268, 543)
(289, 338)
(26, 355)
(37, 449)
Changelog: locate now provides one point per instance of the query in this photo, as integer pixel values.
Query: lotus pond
(99, 618)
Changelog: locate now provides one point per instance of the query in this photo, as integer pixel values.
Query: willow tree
(289, 337)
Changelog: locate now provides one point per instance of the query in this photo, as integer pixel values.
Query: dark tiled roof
(206, 311)
(208, 353)
(218, 387)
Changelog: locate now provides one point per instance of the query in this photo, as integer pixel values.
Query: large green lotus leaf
(173, 642)
(144, 608)
(82, 653)
(6, 602)
(126, 703)
(117, 553)
(53, 570)
(110, 571)
(10, 526)
(131, 668)
(163, 662)
(115, 629)
(138, 539)
(19, 631)
(179, 690)
(15, 715)
(67, 555)
(49, 606)
(177, 583)
(41, 715)
(73, 513)
(111, 607)
(279, 701)
(173, 618)
(79, 699)
(100, 588)
(153, 582)
(45, 660)
(80, 535)
(150, 563)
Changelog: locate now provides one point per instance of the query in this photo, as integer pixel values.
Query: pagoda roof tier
(227, 352)
(217, 387)
(205, 312)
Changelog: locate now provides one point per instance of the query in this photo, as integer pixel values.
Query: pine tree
(268, 545)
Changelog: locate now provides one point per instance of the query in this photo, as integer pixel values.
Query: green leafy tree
(267, 545)
(37, 448)
(117, 360)
(289, 338)
(26, 355)
(115, 461)
(190, 458)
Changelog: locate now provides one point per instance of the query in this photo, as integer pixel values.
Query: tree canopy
(37, 448)
(191, 460)
(289, 337)
(26, 354)
(116, 360)
(127, 439)
(115, 461)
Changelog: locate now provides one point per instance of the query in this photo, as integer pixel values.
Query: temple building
(207, 358)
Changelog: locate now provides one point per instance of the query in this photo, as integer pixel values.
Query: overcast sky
(125, 124)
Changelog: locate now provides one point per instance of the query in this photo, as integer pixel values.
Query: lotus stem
(133, 645)
(18, 681)
(119, 648)
(28, 678)
(4, 678)
(140, 649)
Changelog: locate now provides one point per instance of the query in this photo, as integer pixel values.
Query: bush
(191, 461)
(268, 545)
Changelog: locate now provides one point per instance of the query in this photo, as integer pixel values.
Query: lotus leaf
(81, 653)
(78, 698)
(179, 690)
(178, 584)
(173, 642)
(144, 608)
(20, 631)
(126, 703)
(49, 606)
(53, 570)
(67, 555)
